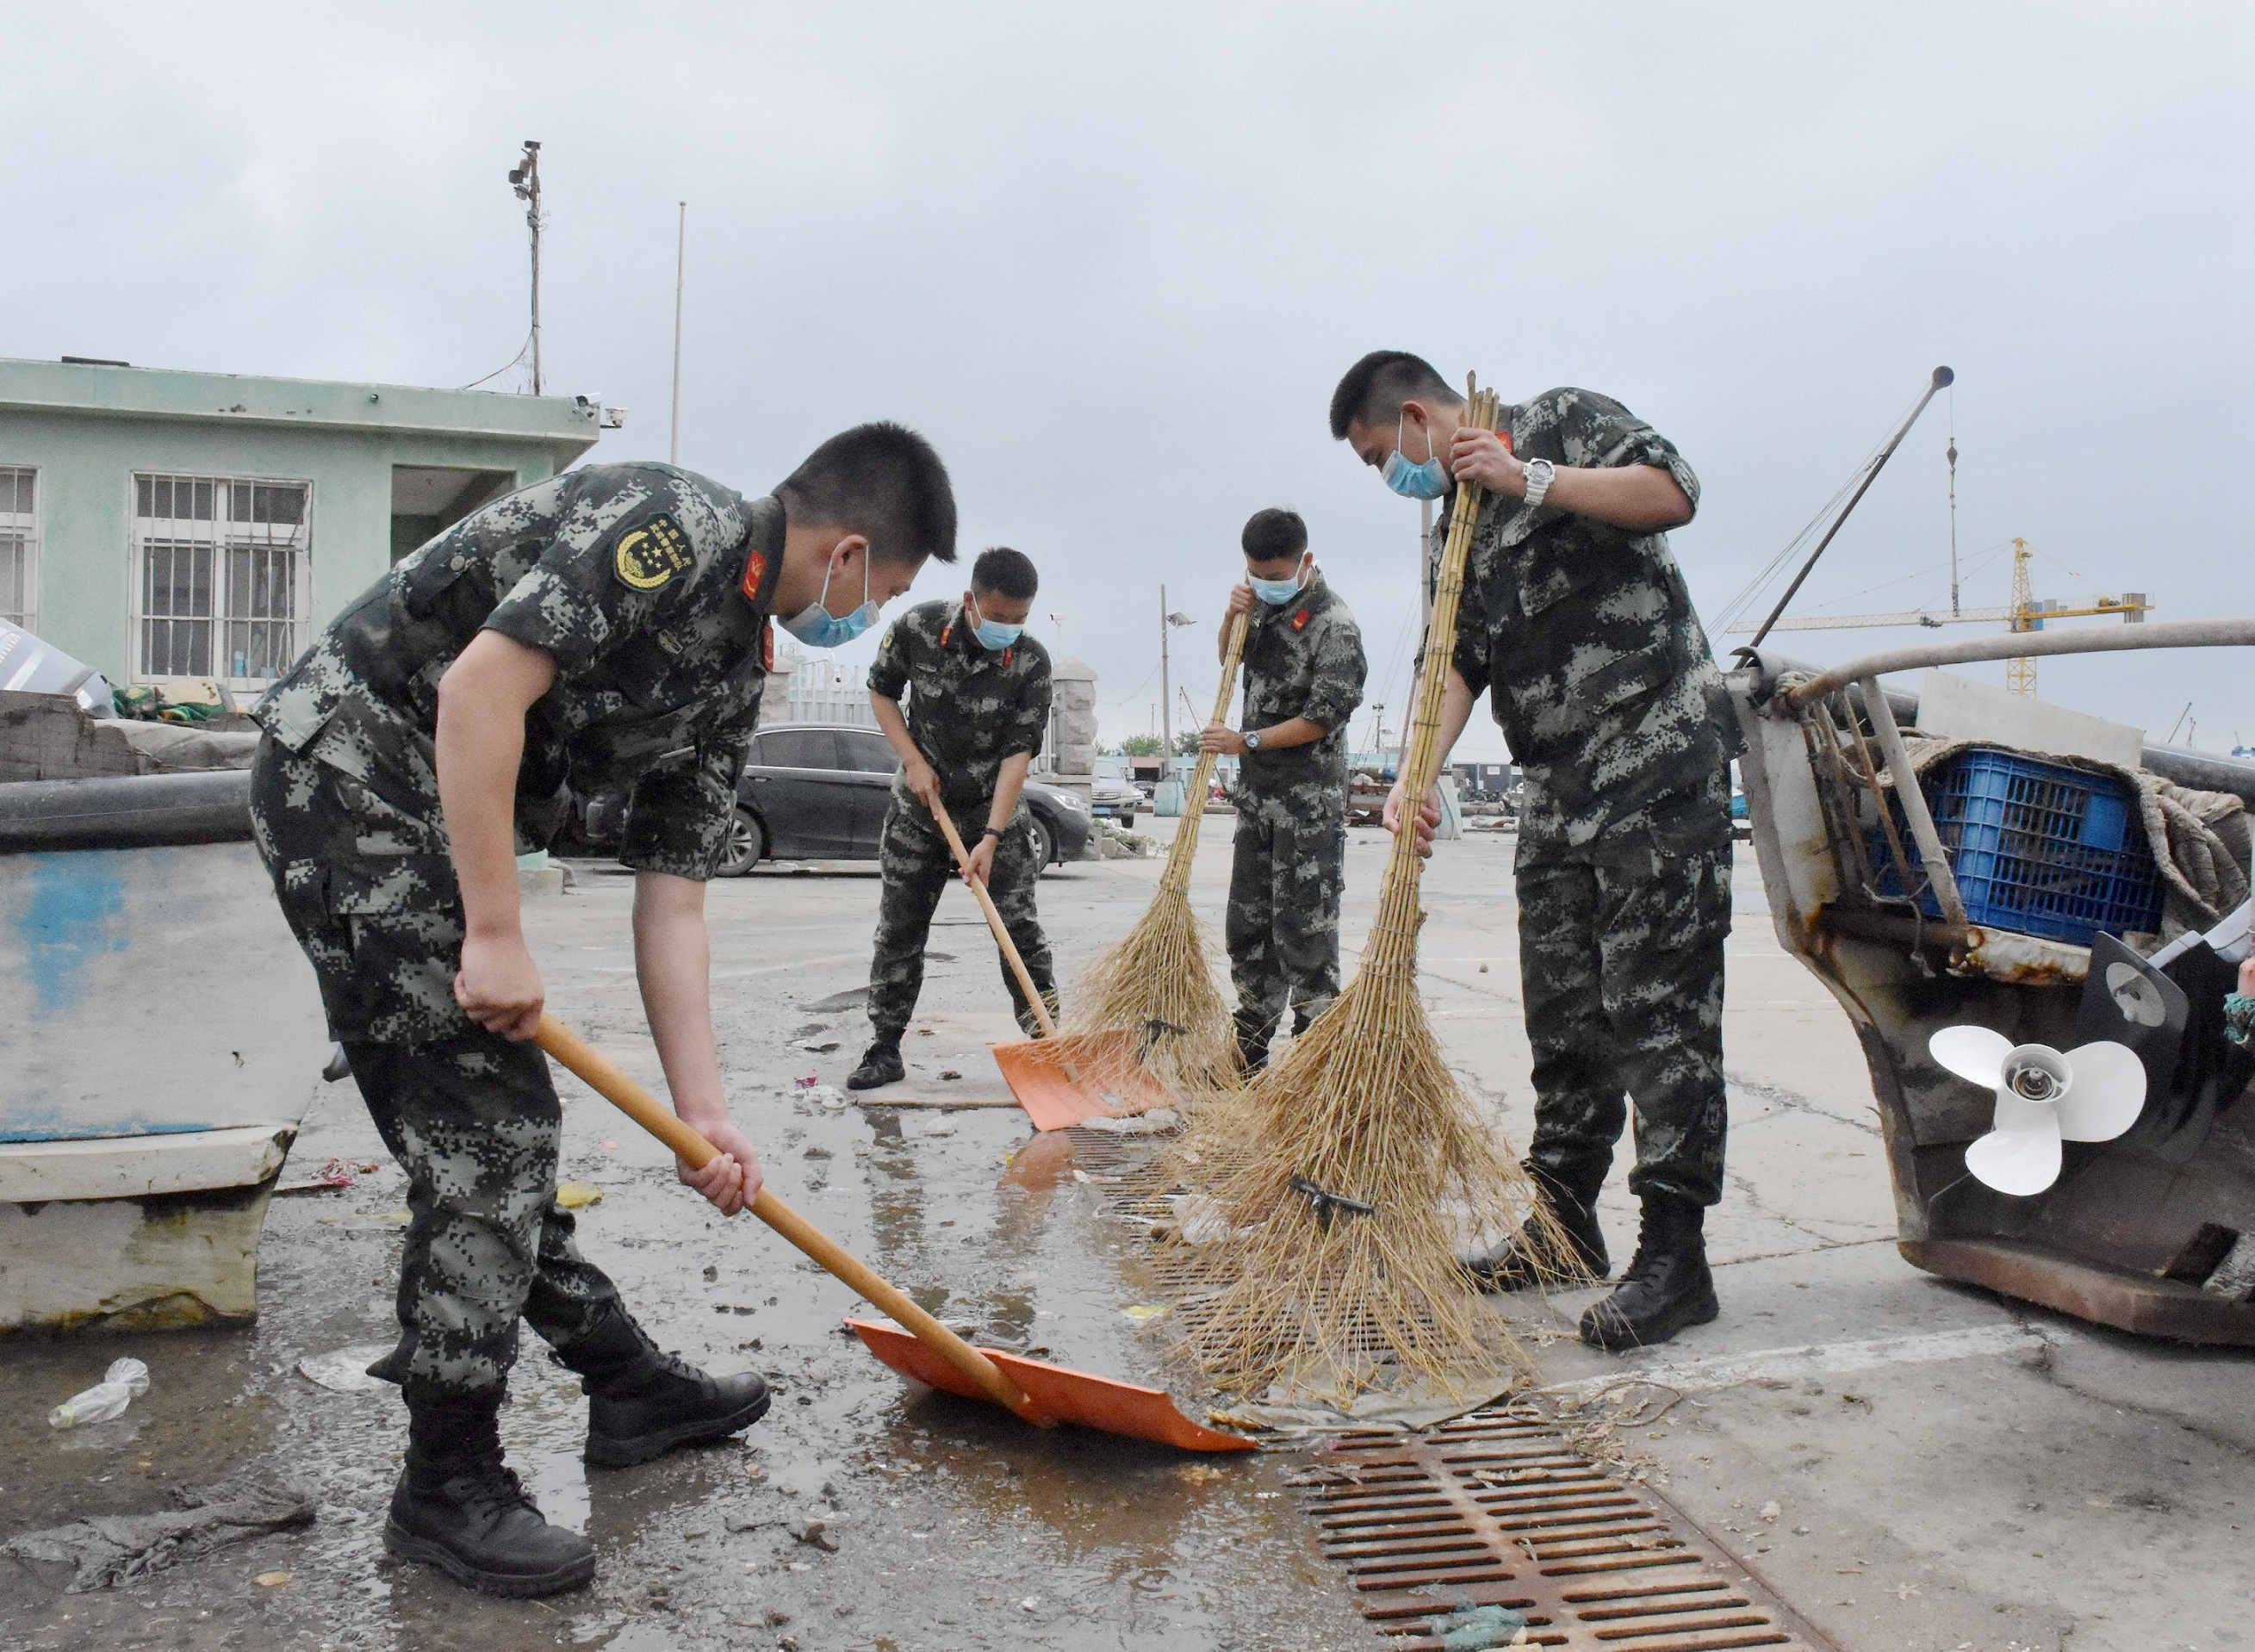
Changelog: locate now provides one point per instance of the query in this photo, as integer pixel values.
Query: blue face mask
(1276, 592)
(1428, 480)
(817, 627)
(992, 635)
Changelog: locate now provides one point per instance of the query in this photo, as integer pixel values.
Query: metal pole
(680, 261)
(1941, 376)
(525, 175)
(1166, 700)
(1932, 859)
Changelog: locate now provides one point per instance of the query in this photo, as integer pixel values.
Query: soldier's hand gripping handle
(498, 985)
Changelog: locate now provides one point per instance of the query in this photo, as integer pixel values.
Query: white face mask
(817, 627)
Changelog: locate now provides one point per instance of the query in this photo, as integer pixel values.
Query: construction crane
(2024, 612)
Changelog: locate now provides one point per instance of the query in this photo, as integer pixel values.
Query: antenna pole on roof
(526, 176)
(680, 263)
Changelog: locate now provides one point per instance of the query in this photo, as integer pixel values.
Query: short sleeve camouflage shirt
(649, 588)
(1584, 635)
(1303, 660)
(969, 706)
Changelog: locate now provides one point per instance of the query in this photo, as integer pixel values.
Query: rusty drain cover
(1494, 1509)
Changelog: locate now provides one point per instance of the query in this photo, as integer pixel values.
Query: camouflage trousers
(474, 1122)
(917, 865)
(1287, 874)
(1620, 959)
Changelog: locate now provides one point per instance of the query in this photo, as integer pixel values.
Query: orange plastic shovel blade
(1070, 1396)
(1067, 1081)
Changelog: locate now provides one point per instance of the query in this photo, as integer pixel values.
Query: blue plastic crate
(2037, 848)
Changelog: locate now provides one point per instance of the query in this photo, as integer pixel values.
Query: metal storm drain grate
(1493, 1509)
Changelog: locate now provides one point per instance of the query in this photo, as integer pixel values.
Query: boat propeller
(2090, 1093)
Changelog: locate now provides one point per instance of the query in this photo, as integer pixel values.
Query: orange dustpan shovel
(1041, 1394)
(1062, 1082)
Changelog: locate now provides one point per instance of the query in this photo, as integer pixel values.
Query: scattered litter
(941, 1128)
(740, 1520)
(1199, 1219)
(1157, 1121)
(1483, 969)
(272, 1579)
(1476, 1628)
(345, 1370)
(1771, 1511)
(807, 1083)
(1144, 1311)
(578, 1195)
(332, 1175)
(610, 1147)
(817, 1046)
(1031, 1603)
(828, 1096)
(108, 1550)
(816, 1533)
(125, 1382)
(949, 1072)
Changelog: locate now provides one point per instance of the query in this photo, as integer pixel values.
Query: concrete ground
(1910, 1463)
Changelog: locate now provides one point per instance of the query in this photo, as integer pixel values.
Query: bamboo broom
(1159, 980)
(1363, 1106)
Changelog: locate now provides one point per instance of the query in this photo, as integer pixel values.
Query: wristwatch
(1252, 740)
(1540, 474)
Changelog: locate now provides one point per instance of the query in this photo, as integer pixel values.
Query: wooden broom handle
(604, 1076)
(1186, 835)
(994, 921)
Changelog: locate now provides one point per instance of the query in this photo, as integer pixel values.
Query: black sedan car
(818, 791)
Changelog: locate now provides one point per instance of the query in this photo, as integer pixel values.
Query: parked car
(1113, 796)
(818, 791)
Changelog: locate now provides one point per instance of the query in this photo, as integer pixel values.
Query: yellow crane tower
(2024, 612)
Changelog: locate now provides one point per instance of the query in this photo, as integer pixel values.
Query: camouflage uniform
(634, 579)
(969, 707)
(1288, 870)
(1601, 678)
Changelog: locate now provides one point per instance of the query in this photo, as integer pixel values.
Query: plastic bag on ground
(125, 1382)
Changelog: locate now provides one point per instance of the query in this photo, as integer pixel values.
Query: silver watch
(1252, 740)
(1540, 474)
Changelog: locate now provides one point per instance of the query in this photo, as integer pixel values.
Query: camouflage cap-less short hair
(1007, 573)
(1274, 533)
(882, 480)
(1375, 387)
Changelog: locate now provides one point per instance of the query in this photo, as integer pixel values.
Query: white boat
(160, 1039)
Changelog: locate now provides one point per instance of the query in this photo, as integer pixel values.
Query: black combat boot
(1667, 1286)
(1533, 1257)
(457, 1507)
(1252, 1038)
(881, 1063)
(643, 1403)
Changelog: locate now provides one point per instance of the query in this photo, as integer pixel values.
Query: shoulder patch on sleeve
(646, 558)
(1300, 621)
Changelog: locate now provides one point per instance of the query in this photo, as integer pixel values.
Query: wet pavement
(1911, 1464)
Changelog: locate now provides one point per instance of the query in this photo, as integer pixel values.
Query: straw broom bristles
(1160, 978)
(1362, 1105)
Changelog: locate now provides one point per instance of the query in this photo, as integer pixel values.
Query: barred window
(223, 586)
(19, 545)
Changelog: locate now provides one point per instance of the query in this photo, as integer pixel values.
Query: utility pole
(680, 260)
(1168, 621)
(526, 177)
(1166, 700)
(1953, 501)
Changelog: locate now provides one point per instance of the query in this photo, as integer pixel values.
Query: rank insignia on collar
(755, 573)
(647, 558)
(1300, 621)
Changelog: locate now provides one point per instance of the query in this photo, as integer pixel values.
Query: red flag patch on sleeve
(756, 571)
(767, 646)
(1300, 621)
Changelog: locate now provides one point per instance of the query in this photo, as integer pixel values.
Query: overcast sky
(1114, 265)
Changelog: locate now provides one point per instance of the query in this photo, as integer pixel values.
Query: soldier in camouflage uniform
(978, 704)
(609, 627)
(1304, 672)
(1576, 623)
